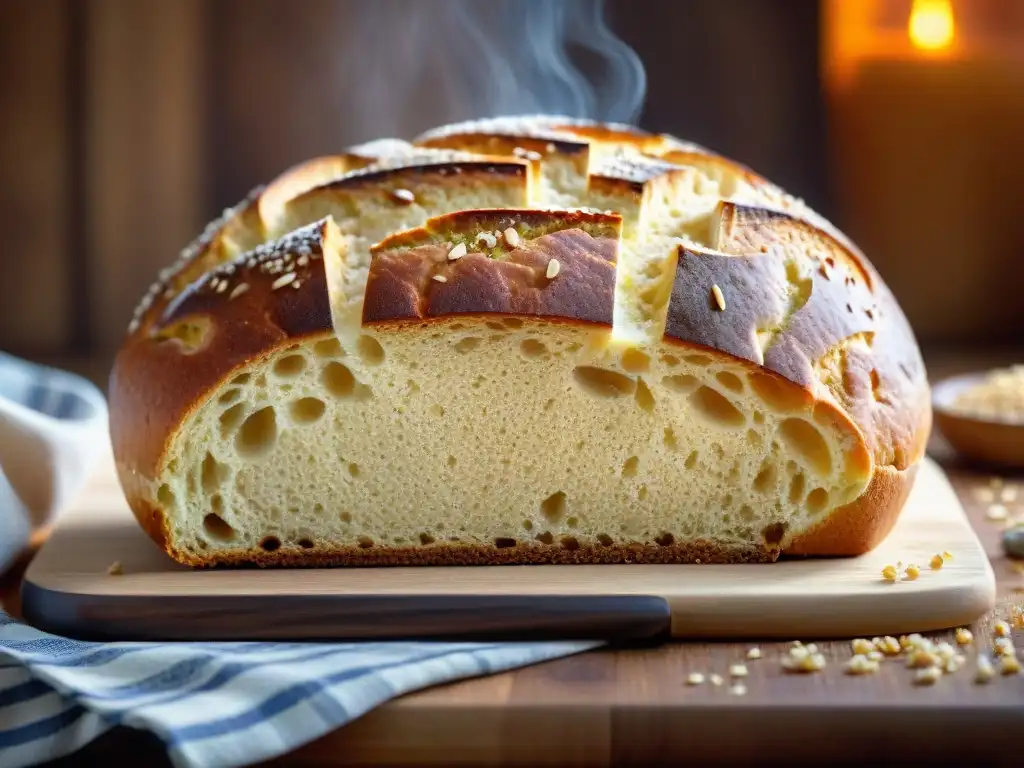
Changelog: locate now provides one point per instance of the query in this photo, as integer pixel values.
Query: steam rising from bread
(408, 64)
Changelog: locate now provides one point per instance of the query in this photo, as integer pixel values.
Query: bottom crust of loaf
(469, 554)
(456, 553)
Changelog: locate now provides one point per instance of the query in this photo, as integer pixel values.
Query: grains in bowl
(999, 396)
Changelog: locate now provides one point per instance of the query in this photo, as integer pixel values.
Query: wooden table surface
(632, 706)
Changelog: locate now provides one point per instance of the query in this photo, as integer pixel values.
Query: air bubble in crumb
(307, 410)
(533, 349)
(328, 348)
(644, 396)
(554, 507)
(289, 366)
(258, 433)
(629, 467)
(338, 380)
(370, 350)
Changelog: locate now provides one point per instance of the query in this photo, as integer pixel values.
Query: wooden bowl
(998, 441)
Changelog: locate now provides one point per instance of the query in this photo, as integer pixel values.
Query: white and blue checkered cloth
(212, 704)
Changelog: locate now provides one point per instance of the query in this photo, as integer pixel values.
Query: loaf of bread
(529, 340)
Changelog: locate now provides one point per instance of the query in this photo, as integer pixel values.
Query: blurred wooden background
(127, 124)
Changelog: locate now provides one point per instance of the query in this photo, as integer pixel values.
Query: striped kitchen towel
(217, 704)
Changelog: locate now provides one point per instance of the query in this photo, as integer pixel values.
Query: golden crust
(834, 337)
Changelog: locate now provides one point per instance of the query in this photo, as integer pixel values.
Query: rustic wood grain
(34, 175)
(144, 158)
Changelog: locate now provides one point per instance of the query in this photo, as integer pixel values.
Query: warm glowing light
(931, 25)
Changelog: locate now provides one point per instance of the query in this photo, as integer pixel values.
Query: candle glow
(931, 25)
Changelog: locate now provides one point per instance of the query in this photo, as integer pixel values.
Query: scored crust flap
(528, 262)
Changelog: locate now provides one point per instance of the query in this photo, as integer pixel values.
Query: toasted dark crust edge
(154, 522)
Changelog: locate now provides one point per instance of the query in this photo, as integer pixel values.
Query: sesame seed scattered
(801, 660)
(738, 689)
(511, 237)
(526, 154)
(222, 286)
(920, 658)
(862, 646)
(936, 562)
(916, 640)
(985, 495)
(1008, 494)
(282, 281)
(985, 672)
(403, 196)
(953, 663)
(238, 290)
(860, 665)
(303, 260)
(738, 670)
(889, 573)
(912, 572)
(754, 653)
(1009, 665)
(439, 279)
(1003, 646)
(945, 651)
(719, 298)
(927, 676)
(116, 569)
(996, 512)
(1001, 629)
(553, 268)
(889, 645)
(162, 286)
(947, 555)
(457, 252)
(715, 679)
(964, 636)
(695, 678)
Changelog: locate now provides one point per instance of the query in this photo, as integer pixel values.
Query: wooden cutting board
(68, 590)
